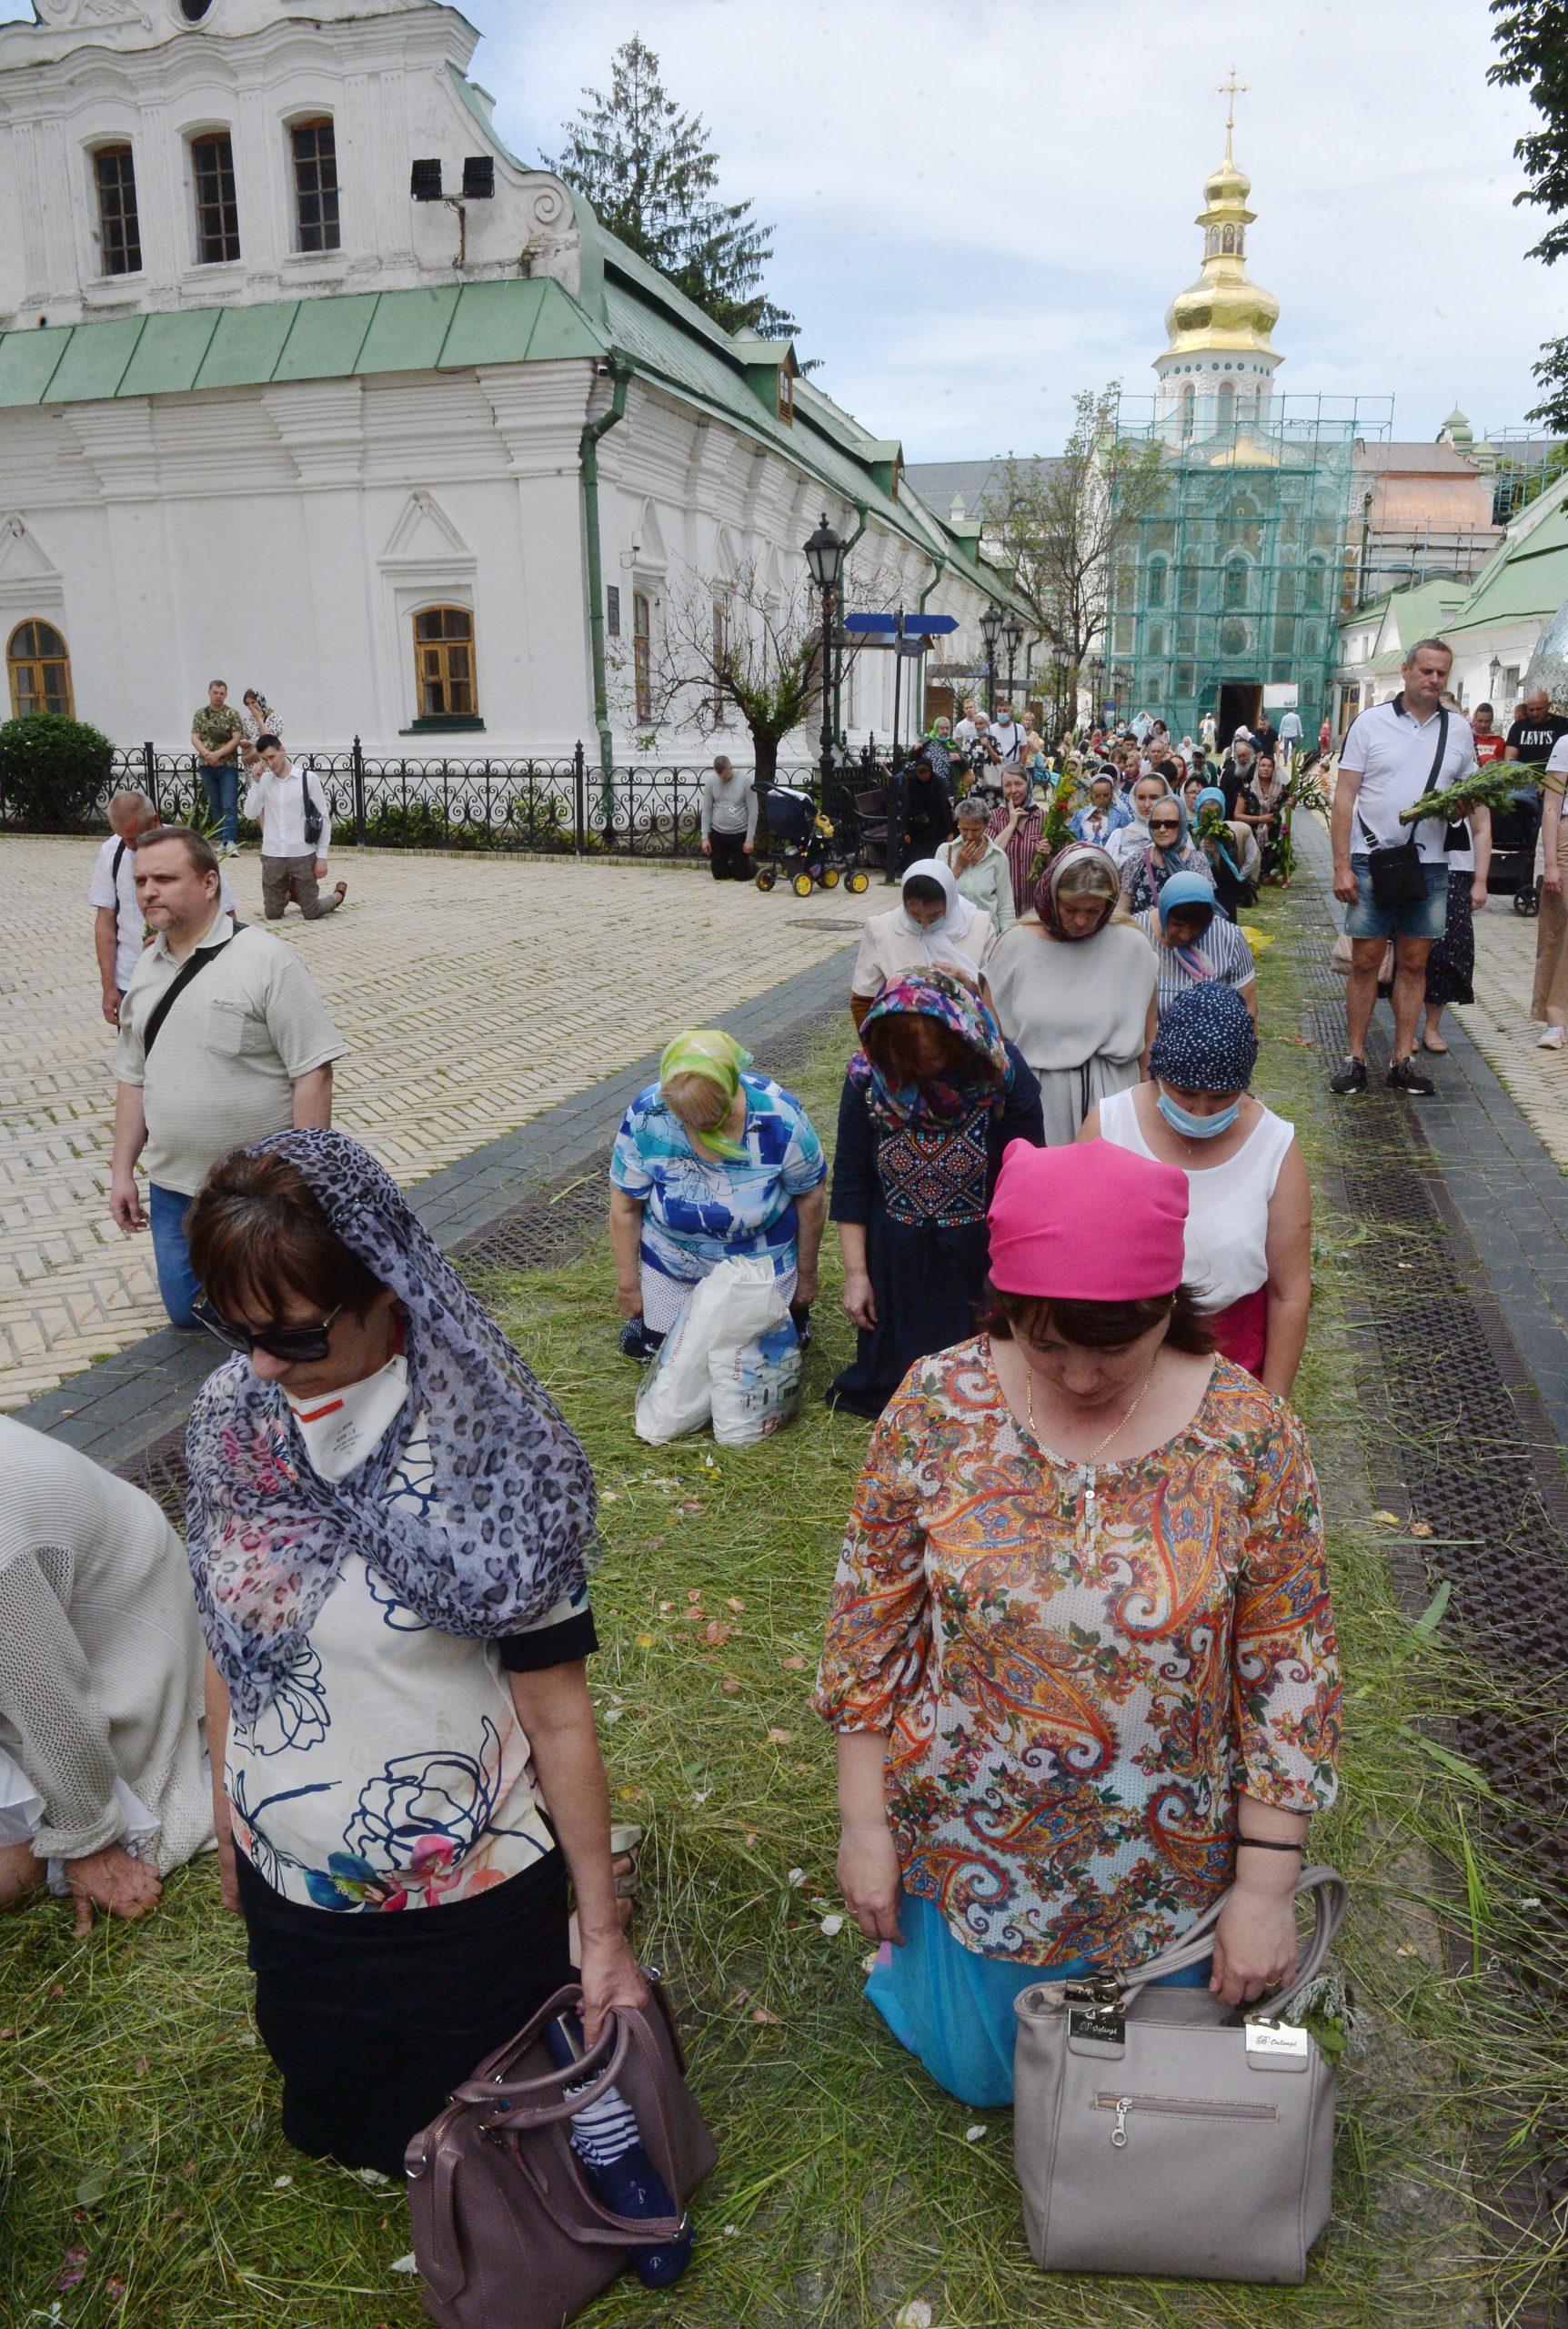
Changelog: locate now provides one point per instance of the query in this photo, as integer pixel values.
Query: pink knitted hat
(1092, 1223)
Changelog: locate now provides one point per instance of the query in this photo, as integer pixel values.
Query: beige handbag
(1158, 2132)
(1341, 960)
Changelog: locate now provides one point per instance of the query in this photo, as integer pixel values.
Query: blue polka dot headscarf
(1207, 1042)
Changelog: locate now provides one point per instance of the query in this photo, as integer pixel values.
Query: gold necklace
(1085, 1467)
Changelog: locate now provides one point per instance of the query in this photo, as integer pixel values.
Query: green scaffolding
(1232, 580)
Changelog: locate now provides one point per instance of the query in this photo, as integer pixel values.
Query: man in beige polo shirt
(243, 1048)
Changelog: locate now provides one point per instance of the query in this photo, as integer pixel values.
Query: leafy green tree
(1533, 39)
(54, 773)
(652, 177)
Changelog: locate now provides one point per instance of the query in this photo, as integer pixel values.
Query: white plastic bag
(756, 1388)
(736, 1302)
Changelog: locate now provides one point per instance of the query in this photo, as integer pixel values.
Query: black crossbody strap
(1431, 782)
(119, 860)
(176, 987)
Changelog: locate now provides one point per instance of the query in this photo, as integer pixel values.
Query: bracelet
(1267, 1844)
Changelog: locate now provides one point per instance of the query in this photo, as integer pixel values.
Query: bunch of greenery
(53, 771)
(1489, 788)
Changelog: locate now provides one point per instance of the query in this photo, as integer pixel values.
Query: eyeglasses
(290, 1344)
(1164, 825)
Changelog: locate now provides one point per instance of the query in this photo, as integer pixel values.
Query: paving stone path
(475, 993)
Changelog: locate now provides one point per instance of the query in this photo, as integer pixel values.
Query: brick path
(474, 993)
(1498, 1024)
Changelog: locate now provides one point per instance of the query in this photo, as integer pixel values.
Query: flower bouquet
(1488, 788)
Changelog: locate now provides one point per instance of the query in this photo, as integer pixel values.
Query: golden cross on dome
(1231, 89)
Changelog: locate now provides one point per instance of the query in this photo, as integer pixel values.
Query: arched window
(315, 149)
(1154, 589)
(1314, 582)
(1235, 584)
(39, 669)
(642, 653)
(1189, 405)
(444, 663)
(1227, 241)
(1157, 639)
(1225, 409)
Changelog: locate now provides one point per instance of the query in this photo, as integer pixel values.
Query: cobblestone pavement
(474, 993)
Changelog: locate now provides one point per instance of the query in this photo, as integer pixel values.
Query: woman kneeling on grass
(388, 1525)
(1081, 1656)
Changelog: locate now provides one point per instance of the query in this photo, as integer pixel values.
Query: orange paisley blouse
(1075, 1687)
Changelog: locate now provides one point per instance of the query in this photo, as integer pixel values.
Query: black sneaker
(1405, 1076)
(637, 1342)
(1351, 1077)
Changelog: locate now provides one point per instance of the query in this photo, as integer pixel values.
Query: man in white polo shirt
(1393, 753)
(223, 1039)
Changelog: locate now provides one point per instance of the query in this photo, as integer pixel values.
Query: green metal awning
(169, 353)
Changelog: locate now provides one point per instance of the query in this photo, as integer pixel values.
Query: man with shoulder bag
(286, 798)
(1392, 878)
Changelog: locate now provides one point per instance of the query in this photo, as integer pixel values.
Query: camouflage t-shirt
(212, 727)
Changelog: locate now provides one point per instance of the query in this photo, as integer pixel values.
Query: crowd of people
(1080, 1655)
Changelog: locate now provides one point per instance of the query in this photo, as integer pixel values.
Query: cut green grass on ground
(149, 2182)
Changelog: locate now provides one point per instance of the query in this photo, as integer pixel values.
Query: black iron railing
(536, 807)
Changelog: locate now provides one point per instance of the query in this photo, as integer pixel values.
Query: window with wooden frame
(119, 229)
(444, 663)
(217, 203)
(317, 227)
(39, 670)
(642, 654)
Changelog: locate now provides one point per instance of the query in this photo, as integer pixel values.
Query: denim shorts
(1420, 918)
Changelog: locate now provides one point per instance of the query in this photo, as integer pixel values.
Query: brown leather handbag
(506, 2233)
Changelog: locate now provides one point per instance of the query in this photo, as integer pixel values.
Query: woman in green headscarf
(710, 1162)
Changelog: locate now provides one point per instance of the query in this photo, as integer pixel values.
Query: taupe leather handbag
(506, 2233)
(1158, 2132)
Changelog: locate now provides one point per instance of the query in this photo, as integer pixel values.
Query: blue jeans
(177, 1282)
(221, 786)
(1421, 918)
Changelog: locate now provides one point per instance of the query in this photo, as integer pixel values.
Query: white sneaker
(1552, 1040)
(231, 848)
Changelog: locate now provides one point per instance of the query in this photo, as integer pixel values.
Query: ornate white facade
(261, 411)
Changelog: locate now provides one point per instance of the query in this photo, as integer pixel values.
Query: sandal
(1428, 1046)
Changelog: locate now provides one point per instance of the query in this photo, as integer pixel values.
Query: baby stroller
(808, 848)
(1513, 864)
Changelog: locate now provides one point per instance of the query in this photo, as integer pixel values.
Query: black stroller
(808, 851)
(1513, 864)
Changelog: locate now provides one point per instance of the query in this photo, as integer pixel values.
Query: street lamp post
(825, 557)
(1013, 632)
(990, 625)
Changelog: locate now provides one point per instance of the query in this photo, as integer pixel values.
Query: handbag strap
(1431, 780)
(1329, 1894)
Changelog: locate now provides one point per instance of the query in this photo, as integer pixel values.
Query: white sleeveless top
(1227, 1204)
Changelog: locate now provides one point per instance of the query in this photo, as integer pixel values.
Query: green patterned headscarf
(709, 1052)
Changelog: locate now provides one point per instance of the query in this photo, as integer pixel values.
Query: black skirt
(373, 2017)
(1450, 965)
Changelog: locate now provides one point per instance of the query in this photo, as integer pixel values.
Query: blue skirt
(954, 2008)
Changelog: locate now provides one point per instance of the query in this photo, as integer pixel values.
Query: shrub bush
(53, 771)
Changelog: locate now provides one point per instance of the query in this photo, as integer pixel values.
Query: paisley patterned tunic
(1076, 1688)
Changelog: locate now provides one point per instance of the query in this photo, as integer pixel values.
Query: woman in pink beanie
(1081, 1657)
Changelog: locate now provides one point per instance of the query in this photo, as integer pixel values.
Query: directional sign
(864, 645)
(930, 625)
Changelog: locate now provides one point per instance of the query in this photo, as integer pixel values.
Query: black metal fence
(569, 808)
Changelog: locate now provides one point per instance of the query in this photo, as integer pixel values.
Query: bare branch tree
(1062, 526)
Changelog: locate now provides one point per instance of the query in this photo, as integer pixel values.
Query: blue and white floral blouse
(390, 1770)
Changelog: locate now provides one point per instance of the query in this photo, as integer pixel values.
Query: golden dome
(1224, 310)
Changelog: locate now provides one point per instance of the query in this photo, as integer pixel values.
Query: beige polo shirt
(224, 1067)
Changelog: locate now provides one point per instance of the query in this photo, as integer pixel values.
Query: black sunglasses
(291, 1343)
(1164, 825)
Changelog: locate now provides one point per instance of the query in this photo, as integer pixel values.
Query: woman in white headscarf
(932, 928)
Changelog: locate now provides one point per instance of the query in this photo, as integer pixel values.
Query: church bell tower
(1216, 375)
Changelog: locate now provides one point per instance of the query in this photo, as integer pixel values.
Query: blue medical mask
(1191, 1127)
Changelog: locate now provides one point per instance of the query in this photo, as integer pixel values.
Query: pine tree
(652, 177)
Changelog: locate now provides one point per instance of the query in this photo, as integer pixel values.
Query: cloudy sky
(981, 206)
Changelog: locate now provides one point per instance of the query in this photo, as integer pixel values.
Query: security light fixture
(479, 178)
(425, 182)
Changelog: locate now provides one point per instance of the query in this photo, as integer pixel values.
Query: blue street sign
(928, 625)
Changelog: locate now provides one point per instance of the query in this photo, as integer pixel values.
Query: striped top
(1222, 952)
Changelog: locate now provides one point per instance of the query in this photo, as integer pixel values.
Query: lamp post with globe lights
(824, 555)
(990, 628)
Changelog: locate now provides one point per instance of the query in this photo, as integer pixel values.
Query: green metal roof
(327, 338)
(1526, 579)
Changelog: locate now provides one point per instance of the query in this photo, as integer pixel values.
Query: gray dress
(1078, 1009)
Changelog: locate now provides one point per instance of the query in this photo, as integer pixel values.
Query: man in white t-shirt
(119, 930)
(1393, 753)
(1550, 999)
(965, 733)
(1007, 736)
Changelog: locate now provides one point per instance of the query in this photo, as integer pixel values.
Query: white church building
(308, 384)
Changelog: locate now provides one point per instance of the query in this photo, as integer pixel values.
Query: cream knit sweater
(100, 1653)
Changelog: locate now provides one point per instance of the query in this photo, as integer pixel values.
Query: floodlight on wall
(425, 182)
(479, 178)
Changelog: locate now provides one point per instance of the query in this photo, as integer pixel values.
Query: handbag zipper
(1175, 2106)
